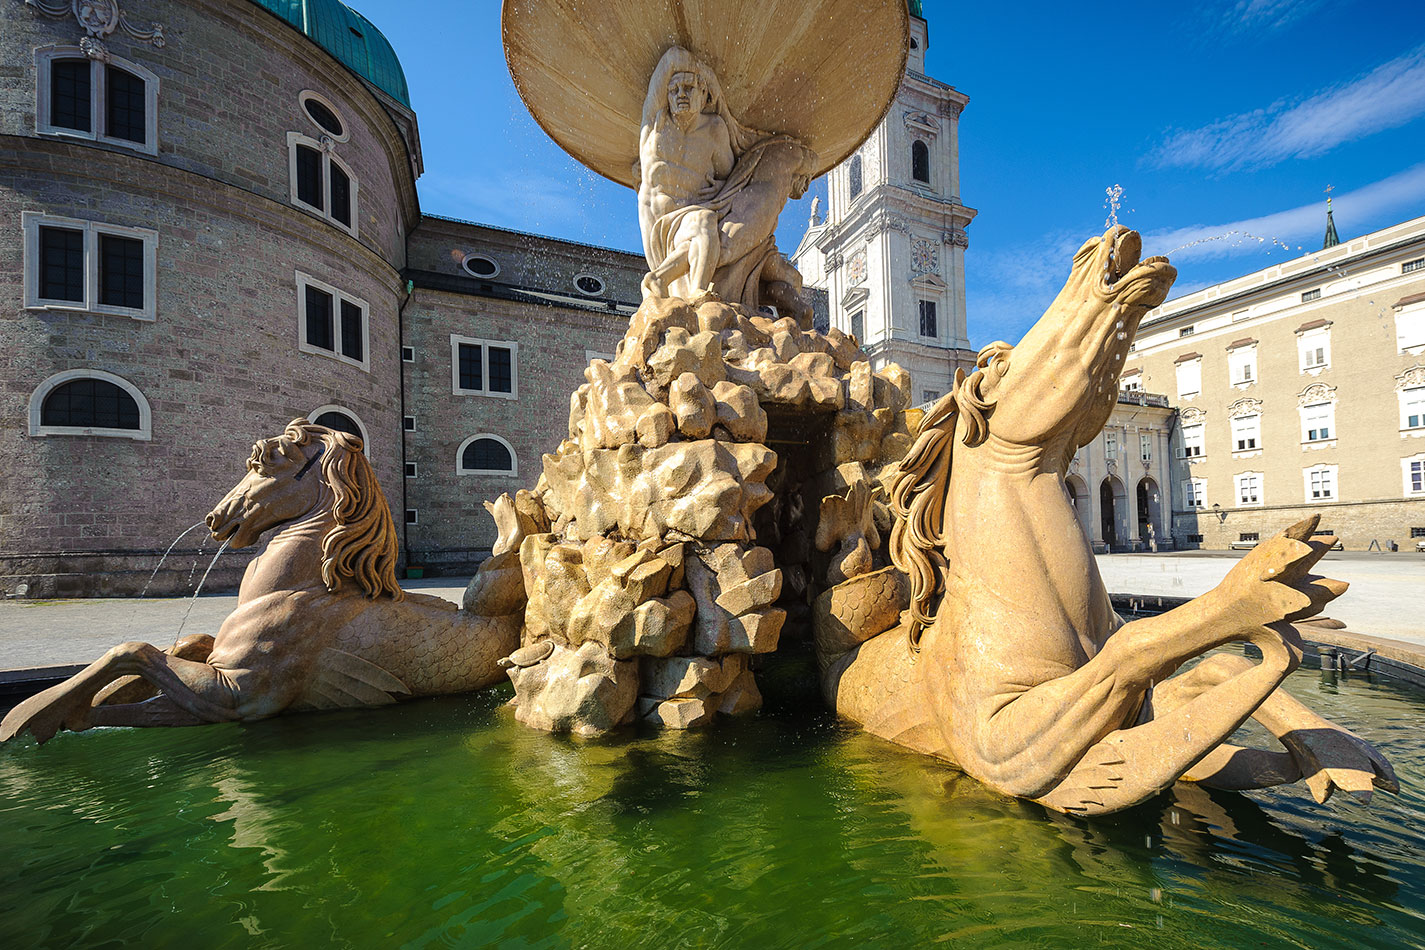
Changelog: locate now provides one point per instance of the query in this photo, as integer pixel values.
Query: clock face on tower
(924, 256)
(856, 268)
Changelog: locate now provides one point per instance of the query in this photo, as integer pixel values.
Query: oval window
(589, 285)
(477, 265)
(321, 112)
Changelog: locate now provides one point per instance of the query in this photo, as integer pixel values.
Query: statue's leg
(135, 689)
(1328, 756)
(197, 688)
(158, 711)
(704, 242)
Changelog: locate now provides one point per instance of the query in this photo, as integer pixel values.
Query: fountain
(735, 485)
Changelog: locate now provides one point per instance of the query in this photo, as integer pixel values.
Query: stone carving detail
(994, 595)
(922, 122)
(322, 622)
(1316, 393)
(924, 256)
(696, 238)
(1244, 407)
(834, 260)
(1193, 415)
(99, 18)
(1414, 376)
(955, 237)
(885, 221)
(856, 271)
(951, 108)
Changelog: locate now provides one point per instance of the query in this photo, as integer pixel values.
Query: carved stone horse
(321, 621)
(1024, 676)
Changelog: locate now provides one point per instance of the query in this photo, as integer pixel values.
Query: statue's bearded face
(686, 97)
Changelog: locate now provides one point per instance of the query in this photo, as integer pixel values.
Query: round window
(321, 112)
(589, 284)
(477, 265)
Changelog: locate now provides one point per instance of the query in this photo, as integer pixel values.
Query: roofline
(530, 234)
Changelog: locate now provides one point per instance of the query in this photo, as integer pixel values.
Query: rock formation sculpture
(321, 621)
(1010, 662)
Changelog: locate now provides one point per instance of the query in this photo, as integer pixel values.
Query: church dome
(348, 36)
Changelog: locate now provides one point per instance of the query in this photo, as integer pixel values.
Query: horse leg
(135, 689)
(157, 711)
(1326, 755)
(196, 687)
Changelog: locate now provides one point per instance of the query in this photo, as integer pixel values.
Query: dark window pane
(927, 318)
(501, 372)
(858, 326)
(487, 454)
(319, 319)
(351, 331)
(855, 175)
(126, 105)
(340, 422)
(920, 162)
(471, 376)
(61, 264)
(323, 116)
(309, 176)
(70, 94)
(121, 271)
(91, 404)
(341, 195)
(481, 266)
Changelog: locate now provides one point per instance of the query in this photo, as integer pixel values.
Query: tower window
(858, 326)
(486, 454)
(323, 114)
(86, 265)
(920, 162)
(854, 173)
(927, 319)
(115, 102)
(321, 182)
(89, 402)
(483, 367)
(331, 323)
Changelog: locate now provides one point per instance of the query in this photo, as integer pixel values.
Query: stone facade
(894, 239)
(1298, 388)
(1118, 481)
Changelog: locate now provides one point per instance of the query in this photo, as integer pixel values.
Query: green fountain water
(444, 823)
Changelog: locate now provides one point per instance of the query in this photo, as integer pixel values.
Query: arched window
(89, 402)
(920, 161)
(486, 454)
(340, 419)
(854, 173)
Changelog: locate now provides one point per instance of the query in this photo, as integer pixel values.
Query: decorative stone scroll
(1316, 393)
(1244, 407)
(99, 18)
(1414, 376)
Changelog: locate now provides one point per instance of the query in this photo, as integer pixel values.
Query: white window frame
(488, 472)
(412, 469)
(1242, 358)
(1330, 407)
(1406, 396)
(32, 221)
(1198, 436)
(1189, 366)
(514, 348)
(1194, 493)
(1145, 446)
(333, 407)
(1330, 471)
(1407, 483)
(1410, 328)
(329, 158)
(98, 99)
(1110, 445)
(305, 280)
(1244, 427)
(143, 433)
(306, 94)
(1131, 383)
(1309, 342)
(1246, 482)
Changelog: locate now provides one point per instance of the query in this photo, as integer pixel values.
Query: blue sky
(1216, 116)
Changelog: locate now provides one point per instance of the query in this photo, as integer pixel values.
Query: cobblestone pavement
(1387, 598)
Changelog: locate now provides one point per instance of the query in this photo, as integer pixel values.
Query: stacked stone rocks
(670, 527)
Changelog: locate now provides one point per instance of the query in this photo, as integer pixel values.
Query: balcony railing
(1133, 397)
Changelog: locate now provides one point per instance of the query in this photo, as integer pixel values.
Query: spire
(1331, 239)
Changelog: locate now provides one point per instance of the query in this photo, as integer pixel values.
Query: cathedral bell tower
(890, 252)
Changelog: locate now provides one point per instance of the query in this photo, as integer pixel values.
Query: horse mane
(922, 486)
(362, 546)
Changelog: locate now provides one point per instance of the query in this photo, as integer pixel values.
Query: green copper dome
(915, 9)
(348, 36)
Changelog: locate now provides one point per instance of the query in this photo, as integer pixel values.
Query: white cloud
(1259, 15)
(1385, 199)
(1388, 96)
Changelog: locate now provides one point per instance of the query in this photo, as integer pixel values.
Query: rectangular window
(61, 264)
(1410, 267)
(71, 93)
(1417, 532)
(1110, 445)
(1321, 484)
(412, 516)
(1192, 441)
(87, 265)
(484, 367)
(858, 326)
(1415, 475)
(408, 423)
(124, 117)
(1410, 326)
(927, 318)
(1249, 488)
(1189, 378)
(408, 354)
(1187, 331)
(113, 101)
(1194, 539)
(1318, 422)
(1249, 536)
(1314, 348)
(411, 470)
(331, 322)
(929, 395)
(1310, 295)
(1412, 408)
(1145, 447)
(1195, 493)
(1133, 384)
(1242, 365)
(321, 182)
(1246, 433)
